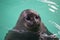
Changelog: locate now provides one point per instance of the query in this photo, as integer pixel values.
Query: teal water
(11, 9)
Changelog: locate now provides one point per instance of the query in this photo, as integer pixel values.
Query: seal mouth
(33, 25)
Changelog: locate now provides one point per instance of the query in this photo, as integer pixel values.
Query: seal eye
(37, 17)
(28, 18)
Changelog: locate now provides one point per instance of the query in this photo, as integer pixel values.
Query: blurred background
(10, 10)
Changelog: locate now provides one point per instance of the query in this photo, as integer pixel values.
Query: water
(49, 10)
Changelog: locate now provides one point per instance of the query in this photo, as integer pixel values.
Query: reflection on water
(55, 24)
(52, 8)
(52, 5)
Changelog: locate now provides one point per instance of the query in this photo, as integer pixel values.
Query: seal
(28, 27)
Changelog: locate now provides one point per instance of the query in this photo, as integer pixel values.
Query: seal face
(31, 19)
